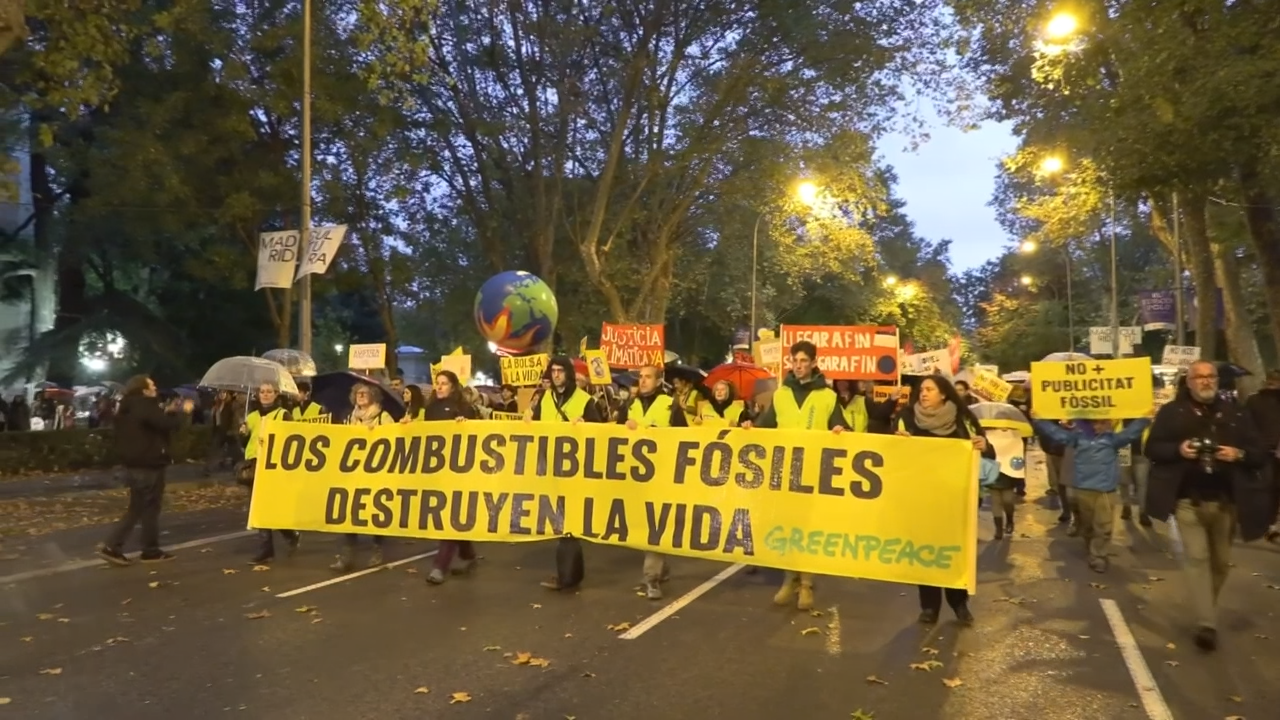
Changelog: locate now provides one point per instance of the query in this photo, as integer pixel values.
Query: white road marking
(1152, 700)
(83, 564)
(652, 621)
(833, 631)
(354, 575)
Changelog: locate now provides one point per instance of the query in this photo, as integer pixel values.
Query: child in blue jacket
(1095, 476)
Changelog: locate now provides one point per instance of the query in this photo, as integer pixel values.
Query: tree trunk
(1200, 256)
(44, 283)
(1264, 230)
(1242, 342)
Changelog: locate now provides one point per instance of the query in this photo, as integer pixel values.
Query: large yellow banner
(871, 506)
(1092, 389)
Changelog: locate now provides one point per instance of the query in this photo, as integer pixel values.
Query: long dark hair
(964, 415)
(417, 401)
(454, 383)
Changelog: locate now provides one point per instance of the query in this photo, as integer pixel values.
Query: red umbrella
(742, 376)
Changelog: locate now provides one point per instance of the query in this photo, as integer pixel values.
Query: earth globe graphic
(516, 311)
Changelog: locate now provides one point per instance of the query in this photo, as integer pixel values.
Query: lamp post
(304, 285)
(808, 194)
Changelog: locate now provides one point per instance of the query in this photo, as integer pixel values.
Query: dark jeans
(931, 597)
(464, 549)
(146, 495)
(349, 540)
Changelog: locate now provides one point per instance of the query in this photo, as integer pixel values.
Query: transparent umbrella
(298, 363)
(997, 415)
(238, 374)
(1065, 357)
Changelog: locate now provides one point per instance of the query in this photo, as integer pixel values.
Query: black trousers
(570, 567)
(931, 597)
(146, 496)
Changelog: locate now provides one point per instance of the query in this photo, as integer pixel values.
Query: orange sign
(633, 346)
(847, 352)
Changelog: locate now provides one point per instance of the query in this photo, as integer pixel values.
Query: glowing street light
(1061, 26)
(1027, 246)
(1026, 280)
(906, 291)
(891, 280)
(807, 192)
(1052, 165)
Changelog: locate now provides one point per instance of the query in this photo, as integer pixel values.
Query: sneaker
(1099, 564)
(344, 563)
(155, 556)
(436, 576)
(376, 558)
(1126, 513)
(1207, 639)
(113, 556)
(652, 590)
(928, 617)
(1073, 531)
(963, 615)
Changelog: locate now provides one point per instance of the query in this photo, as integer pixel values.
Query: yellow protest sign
(598, 367)
(524, 370)
(845, 505)
(495, 415)
(324, 419)
(990, 386)
(883, 393)
(459, 365)
(1092, 389)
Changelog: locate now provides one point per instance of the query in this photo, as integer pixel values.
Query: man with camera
(1205, 456)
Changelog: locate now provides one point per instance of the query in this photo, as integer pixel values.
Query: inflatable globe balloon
(516, 311)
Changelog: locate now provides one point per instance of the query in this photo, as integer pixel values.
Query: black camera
(1205, 449)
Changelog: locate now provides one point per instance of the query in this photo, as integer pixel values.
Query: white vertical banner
(277, 257)
(321, 250)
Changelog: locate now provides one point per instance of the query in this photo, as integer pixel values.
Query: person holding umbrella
(269, 407)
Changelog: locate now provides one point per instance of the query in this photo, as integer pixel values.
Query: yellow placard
(324, 419)
(804, 500)
(495, 415)
(598, 367)
(524, 370)
(1092, 389)
(459, 365)
(990, 386)
(882, 393)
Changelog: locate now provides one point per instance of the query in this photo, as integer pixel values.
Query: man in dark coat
(142, 430)
(1205, 459)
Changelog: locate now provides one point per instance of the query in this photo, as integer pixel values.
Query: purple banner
(1157, 311)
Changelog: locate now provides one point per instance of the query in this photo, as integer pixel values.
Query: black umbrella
(674, 371)
(1231, 371)
(333, 392)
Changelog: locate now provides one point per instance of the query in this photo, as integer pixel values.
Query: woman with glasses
(366, 410)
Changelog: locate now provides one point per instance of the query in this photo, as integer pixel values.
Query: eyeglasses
(1204, 377)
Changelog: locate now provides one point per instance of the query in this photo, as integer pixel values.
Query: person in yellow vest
(307, 408)
(366, 410)
(688, 397)
(802, 402)
(853, 405)
(415, 404)
(723, 408)
(652, 408)
(562, 401)
(268, 407)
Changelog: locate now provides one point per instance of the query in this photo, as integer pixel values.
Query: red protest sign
(847, 352)
(633, 346)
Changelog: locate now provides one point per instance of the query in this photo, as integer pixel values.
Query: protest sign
(598, 367)
(370, 356)
(1093, 389)
(1181, 356)
(495, 415)
(523, 370)
(324, 419)
(633, 346)
(990, 386)
(927, 363)
(845, 505)
(847, 352)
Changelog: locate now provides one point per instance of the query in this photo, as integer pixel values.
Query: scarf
(938, 421)
(721, 405)
(367, 417)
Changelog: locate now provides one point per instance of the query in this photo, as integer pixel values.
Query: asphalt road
(96, 643)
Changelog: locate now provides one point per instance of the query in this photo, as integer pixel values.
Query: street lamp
(808, 192)
(1051, 165)
(891, 280)
(1061, 26)
(1026, 280)
(1027, 246)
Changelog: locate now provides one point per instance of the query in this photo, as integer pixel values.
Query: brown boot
(804, 600)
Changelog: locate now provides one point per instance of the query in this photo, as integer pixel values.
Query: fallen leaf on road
(860, 715)
(929, 651)
(126, 601)
(1170, 646)
(265, 589)
(411, 570)
(316, 619)
(535, 606)
(206, 550)
(926, 666)
(305, 609)
(491, 648)
(154, 584)
(540, 662)
(810, 631)
(1153, 578)
(1171, 663)
(45, 616)
(1233, 717)
(815, 613)
(459, 697)
(1097, 586)
(570, 717)
(873, 680)
(588, 674)
(64, 620)
(619, 627)
(5, 701)
(28, 638)
(421, 691)
(229, 571)
(1083, 637)
(952, 682)
(1262, 637)
(1235, 698)
(261, 568)
(1145, 587)
(51, 671)
(568, 635)
(522, 658)
(258, 615)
